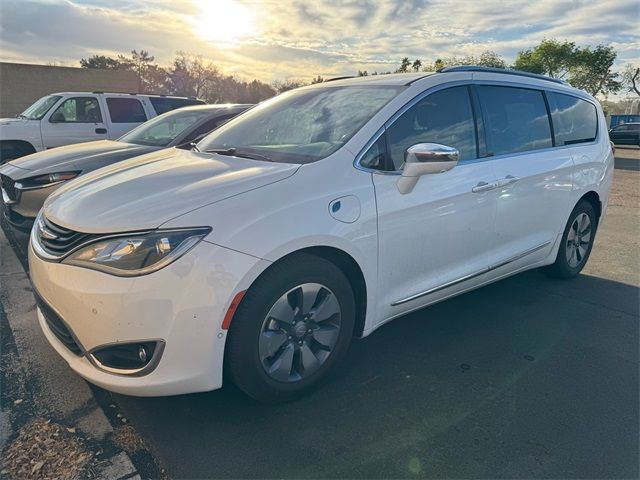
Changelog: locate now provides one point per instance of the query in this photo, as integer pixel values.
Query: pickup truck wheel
(292, 328)
(11, 149)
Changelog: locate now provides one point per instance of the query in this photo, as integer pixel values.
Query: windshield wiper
(194, 147)
(21, 116)
(233, 152)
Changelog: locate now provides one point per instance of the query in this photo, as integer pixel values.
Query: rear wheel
(291, 330)
(576, 244)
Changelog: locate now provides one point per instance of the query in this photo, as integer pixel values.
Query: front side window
(126, 110)
(301, 126)
(516, 119)
(40, 108)
(374, 157)
(574, 120)
(160, 131)
(207, 127)
(78, 110)
(443, 117)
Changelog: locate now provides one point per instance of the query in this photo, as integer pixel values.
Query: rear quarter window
(574, 120)
(164, 104)
(126, 110)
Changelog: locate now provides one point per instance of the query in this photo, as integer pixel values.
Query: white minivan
(73, 117)
(314, 218)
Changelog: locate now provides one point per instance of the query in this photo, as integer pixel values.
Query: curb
(38, 384)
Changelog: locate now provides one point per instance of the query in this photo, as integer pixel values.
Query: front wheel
(577, 242)
(291, 330)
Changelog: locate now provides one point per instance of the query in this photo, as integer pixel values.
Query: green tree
(318, 79)
(583, 67)
(631, 79)
(101, 61)
(416, 65)
(592, 71)
(404, 65)
(488, 58)
(550, 57)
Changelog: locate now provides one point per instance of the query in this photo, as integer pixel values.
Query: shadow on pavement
(529, 377)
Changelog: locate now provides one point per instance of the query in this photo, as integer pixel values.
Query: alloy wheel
(300, 332)
(578, 240)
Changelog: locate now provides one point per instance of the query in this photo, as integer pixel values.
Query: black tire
(243, 364)
(10, 150)
(561, 268)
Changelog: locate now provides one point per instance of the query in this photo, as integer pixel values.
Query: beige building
(22, 84)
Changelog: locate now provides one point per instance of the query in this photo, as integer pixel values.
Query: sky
(296, 39)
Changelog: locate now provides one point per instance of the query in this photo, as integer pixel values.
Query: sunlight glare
(223, 22)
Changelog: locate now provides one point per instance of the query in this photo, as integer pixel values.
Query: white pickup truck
(74, 117)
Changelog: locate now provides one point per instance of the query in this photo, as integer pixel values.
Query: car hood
(13, 121)
(145, 192)
(82, 156)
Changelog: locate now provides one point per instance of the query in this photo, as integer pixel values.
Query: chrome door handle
(483, 187)
(508, 180)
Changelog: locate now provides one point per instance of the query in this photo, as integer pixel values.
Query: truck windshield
(162, 130)
(300, 126)
(40, 107)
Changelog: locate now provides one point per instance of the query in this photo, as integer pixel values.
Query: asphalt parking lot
(529, 377)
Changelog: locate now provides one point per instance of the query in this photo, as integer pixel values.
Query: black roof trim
(334, 79)
(520, 73)
(415, 80)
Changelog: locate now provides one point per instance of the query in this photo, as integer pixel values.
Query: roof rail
(338, 78)
(476, 68)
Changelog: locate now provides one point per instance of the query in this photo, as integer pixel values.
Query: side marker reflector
(232, 309)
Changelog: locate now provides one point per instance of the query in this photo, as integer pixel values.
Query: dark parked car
(625, 134)
(26, 182)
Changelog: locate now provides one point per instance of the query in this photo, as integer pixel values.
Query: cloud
(301, 39)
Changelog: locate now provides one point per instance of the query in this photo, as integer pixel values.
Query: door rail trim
(471, 275)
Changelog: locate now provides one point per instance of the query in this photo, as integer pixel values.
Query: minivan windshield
(162, 130)
(300, 126)
(38, 110)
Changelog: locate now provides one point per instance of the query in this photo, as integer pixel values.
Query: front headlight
(137, 254)
(46, 180)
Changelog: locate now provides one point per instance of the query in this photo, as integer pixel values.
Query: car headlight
(137, 254)
(45, 180)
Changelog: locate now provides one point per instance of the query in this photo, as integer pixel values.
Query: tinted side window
(163, 104)
(516, 119)
(126, 110)
(78, 110)
(443, 117)
(574, 120)
(206, 127)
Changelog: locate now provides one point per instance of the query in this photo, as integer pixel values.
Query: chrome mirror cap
(425, 159)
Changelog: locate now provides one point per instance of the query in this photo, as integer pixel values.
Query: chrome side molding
(472, 275)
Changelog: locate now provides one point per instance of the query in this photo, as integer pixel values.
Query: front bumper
(23, 209)
(183, 305)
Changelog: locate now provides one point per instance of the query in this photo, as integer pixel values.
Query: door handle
(508, 180)
(101, 130)
(483, 187)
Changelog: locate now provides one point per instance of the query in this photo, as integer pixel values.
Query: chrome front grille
(8, 185)
(58, 241)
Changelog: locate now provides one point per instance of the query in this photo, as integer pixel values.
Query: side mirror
(425, 159)
(57, 117)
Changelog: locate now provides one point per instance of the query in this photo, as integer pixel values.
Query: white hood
(146, 191)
